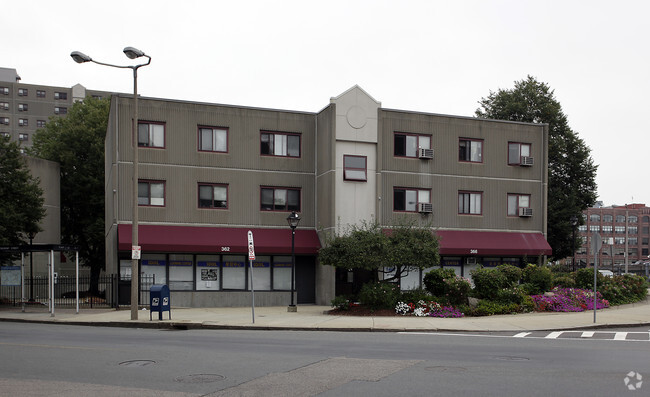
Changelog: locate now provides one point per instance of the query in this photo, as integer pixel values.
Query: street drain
(136, 363)
(446, 369)
(512, 358)
(199, 378)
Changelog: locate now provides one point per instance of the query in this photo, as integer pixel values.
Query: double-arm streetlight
(131, 53)
(293, 221)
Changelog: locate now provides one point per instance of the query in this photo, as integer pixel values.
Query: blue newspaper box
(159, 301)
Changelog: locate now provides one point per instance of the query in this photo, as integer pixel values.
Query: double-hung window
(151, 134)
(151, 193)
(405, 199)
(61, 95)
(355, 168)
(470, 150)
(213, 139)
(516, 201)
(407, 145)
(470, 203)
(516, 151)
(23, 107)
(279, 144)
(23, 92)
(23, 122)
(60, 110)
(280, 199)
(213, 195)
(40, 93)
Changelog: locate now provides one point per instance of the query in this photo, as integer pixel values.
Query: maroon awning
(190, 239)
(461, 242)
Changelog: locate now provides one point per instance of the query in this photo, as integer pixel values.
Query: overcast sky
(429, 56)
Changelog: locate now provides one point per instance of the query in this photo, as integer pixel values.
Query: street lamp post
(131, 53)
(293, 221)
(574, 222)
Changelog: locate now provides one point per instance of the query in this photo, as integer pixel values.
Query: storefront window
(154, 265)
(233, 269)
(181, 267)
(207, 272)
(282, 273)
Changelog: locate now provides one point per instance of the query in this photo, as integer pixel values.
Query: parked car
(606, 273)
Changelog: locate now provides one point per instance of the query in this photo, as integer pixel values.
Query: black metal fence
(112, 291)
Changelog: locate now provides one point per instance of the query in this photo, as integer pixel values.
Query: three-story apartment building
(209, 173)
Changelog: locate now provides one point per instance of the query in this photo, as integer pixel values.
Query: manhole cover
(511, 358)
(199, 378)
(136, 363)
(446, 369)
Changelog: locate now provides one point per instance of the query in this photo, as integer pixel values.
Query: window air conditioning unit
(526, 161)
(425, 208)
(471, 260)
(425, 153)
(525, 211)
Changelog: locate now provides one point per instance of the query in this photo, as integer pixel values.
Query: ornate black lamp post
(293, 221)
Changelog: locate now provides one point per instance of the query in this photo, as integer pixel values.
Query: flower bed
(426, 308)
(569, 300)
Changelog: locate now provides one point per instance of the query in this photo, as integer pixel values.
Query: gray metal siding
(446, 176)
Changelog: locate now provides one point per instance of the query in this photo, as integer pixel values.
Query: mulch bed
(362, 311)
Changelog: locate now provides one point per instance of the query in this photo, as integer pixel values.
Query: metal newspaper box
(159, 301)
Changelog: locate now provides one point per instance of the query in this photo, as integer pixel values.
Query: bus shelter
(18, 273)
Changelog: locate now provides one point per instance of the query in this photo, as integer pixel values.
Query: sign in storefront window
(282, 273)
(181, 269)
(207, 272)
(154, 265)
(233, 269)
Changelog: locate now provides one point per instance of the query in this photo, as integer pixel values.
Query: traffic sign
(135, 252)
(251, 246)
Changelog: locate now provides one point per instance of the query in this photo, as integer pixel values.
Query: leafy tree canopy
(369, 247)
(21, 198)
(76, 142)
(572, 172)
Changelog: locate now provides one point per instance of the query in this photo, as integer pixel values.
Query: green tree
(572, 172)
(76, 142)
(21, 198)
(401, 249)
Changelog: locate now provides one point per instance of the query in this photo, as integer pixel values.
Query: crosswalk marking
(554, 335)
(587, 334)
(620, 336)
(522, 334)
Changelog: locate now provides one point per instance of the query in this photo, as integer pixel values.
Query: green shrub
(341, 302)
(511, 295)
(459, 289)
(619, 290)
(488, 282)
(489, 308)
(563, 281)
(434, 281)
(379, 295)
(538, 276)
(585, 278)
(415, 295)
(511, 273)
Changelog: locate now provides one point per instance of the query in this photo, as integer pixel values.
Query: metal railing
(112, 291)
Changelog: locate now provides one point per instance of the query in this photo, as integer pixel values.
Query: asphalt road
(46, 359)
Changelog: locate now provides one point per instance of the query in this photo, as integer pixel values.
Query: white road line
(522, 335)
(587, 334)
(554, 335)
(620, 336)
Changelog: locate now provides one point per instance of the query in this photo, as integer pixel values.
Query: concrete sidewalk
(315, 318)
